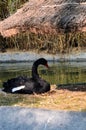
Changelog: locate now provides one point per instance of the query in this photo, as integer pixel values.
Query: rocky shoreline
(32, 56)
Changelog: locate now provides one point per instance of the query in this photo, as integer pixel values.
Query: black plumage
(26, 85)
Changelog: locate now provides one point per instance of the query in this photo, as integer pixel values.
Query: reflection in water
(58, 73)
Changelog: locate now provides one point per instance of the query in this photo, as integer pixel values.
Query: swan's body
(27, 85)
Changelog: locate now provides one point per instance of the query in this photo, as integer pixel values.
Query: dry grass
(55, 100)
(61, 43)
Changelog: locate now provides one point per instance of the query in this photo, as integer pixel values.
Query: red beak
(47, 65)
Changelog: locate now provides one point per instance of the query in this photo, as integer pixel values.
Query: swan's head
(40, 61)
(43, 61)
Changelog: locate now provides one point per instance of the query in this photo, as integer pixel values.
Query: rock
(19, 118)
(46, 16)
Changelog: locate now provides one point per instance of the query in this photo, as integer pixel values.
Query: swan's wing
(15, 84)
(27, 88)
(18, 88)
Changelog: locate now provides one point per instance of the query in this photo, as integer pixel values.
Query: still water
(58, 73)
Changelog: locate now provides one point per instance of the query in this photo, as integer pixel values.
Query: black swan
(26, 85)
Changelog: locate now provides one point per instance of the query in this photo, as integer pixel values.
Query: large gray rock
(17, 118)
(47, 16)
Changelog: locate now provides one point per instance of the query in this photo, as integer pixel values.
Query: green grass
(9, 99)
(8, 7)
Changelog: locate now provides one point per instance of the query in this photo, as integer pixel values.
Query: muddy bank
(31, 56)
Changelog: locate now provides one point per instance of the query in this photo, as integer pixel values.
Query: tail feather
(5, 84)
(6, 87)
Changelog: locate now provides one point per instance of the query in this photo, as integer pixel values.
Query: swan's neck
(35, 74)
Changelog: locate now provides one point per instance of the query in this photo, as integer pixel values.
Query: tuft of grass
(13, 5)
(8, 99)
(61, 43)
(8, 7)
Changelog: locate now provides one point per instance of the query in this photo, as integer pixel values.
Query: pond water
(58, 73)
